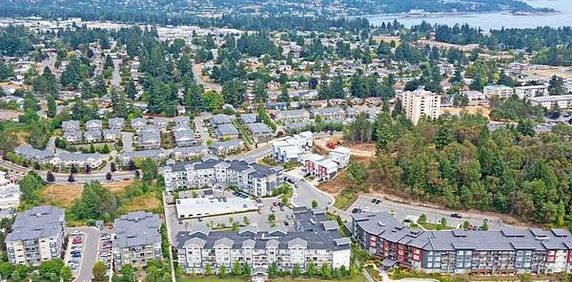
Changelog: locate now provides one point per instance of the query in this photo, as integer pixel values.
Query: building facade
(420, 103)
(255, 179)
(316, 240)
(37, 235)
(137, 239)
(508, 251)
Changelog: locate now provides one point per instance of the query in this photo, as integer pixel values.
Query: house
(78, 160)
(116, 123)
(322, 168)
(226, 131)
(154, 154)
(92, 135)
(248, 118)
(341, 156)
(30, 153)
(292, 116)
(181, 120)
(112, 134)
(74, 136)
(94, 124)
(160, 123)
(185, 153)
(137, 239)
(226, 147)
(184, 136)
(138, 123)
(70, 125)
(330, 114)
(220, 119)
(36, 236)
(149, 138)
(260, 132)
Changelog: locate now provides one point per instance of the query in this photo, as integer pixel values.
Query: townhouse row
(504, 252)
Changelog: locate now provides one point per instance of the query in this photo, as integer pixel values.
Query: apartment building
(292, 148)
(255, 179)
(504, 252)
(137, 239)
(550, 102)
(316, 240)
(531, 91)
(420, 103)
(37, 235)
(325, 168)
(500, 91)
(9, 193)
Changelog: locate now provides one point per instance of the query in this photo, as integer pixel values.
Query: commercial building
(37, 235)
(316, 241)
(255, 179)
(550, 102)
(420, 103)
(137, 239)
(9, 193)
(203, 207)
(508, 251)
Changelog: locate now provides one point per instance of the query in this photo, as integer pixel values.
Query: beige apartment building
(419, 103)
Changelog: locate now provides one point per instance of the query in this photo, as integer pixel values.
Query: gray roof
(31, 153)
(137, 229)
(388, 228)
(253, 170)
(232, 143)
(190, 150)
(70, 124)
(38, 222)
(184, 136)
(292, 113)
(138, 122)
(181, 120)
(78, 157)
(259, 128)
(220, 119)
(116, 122)
(94, 123)
(328, 111)
(149, 136)
(226, 129)
(248, 118)
(317, 238)
(154, 153)
(92, 133)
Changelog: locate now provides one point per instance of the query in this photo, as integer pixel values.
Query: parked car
(456, 215)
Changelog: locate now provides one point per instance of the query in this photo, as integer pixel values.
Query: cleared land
(63, 195)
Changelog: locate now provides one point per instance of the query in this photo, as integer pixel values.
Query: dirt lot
(361, 150)
(485, 111)
(336, 185)
(63, 195)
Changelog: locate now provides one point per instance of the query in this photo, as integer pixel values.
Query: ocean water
(489, 21)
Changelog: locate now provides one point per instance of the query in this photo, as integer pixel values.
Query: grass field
(63, 195)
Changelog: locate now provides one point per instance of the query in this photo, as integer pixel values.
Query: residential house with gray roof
(149, 138)
(79, 160)
(92, 135)
(70, 125)
(116, 123)
(248, 118)
(220, 119)
(138, 123)
(222, 148)
(37, 236)
(94, 124)
(292, 116)
(30, 153)
(226, 131)
(330, 114)
(260, 131)
(73, 136)
(319, 244)
(137, 239)
(112, 134)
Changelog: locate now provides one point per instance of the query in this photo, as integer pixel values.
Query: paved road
(411, 211)
(305, 192)
(89, 252)
(127, 141)
(200, 127)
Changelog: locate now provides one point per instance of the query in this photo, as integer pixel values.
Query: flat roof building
(203, 207)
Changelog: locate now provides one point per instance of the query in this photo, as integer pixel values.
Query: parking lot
(81, 253)
(104, 254)
(407, 213)
(259, 219)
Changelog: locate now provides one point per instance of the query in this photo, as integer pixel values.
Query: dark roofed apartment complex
(509, 251)
(137, 239)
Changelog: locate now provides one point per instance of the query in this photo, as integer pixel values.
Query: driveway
(305, 192)
(127, 140)
(89, 252)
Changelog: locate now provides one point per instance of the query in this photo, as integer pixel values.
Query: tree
(271, 217)
(149, 169)
(50, 177)
(314, 204)
(556, 86)
(443, 222)
(357, 172)
(273, 270)
(259, 91)
(296, 271)
(127, 273)
(51, 106)
(284, 96)
(66, 273)
(311, 270)
(326, 271)
(422, 219)
(222, 271)
(237, 268)
(208, 269)
(29, 185)
(99, 272)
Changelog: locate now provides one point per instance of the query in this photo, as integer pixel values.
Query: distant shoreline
(448, 14)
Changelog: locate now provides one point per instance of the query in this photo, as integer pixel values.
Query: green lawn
(345, 199)
(359, 278)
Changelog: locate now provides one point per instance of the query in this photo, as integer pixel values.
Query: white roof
(194, 207)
